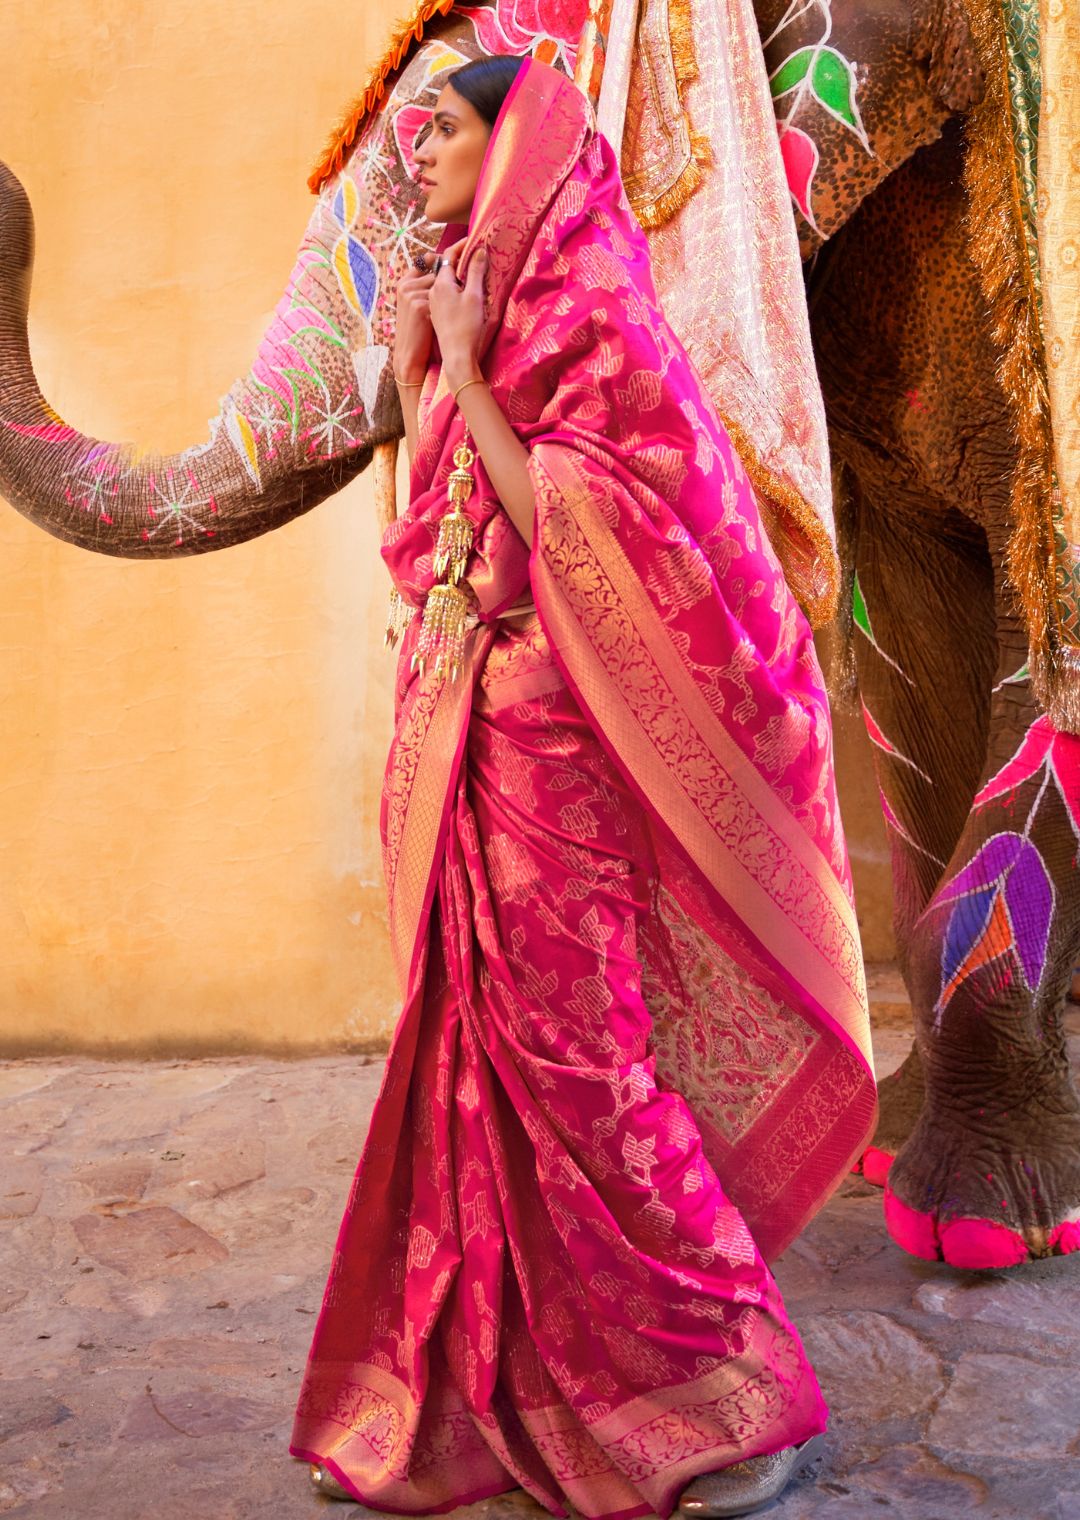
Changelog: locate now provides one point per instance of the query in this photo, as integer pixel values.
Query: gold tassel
(399, 615)
(454, 546)
(455, 529)
(442, 633)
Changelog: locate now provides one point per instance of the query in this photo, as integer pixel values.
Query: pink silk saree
(633, 1057)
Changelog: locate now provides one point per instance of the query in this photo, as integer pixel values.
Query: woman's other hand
(457, 314)
(413, 333)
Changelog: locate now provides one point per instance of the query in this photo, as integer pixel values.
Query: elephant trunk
(317, 402)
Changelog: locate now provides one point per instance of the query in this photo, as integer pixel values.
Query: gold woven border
(655, 212)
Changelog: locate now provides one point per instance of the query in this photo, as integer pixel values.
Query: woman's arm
(409, 396)
(457, 315)
(412, 344)
(505, 456)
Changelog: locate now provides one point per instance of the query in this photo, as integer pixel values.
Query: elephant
(890, 121)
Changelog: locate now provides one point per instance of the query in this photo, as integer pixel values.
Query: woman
(618, 892)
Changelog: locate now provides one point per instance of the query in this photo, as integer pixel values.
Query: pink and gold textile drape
(713, 706)
(634, 1054)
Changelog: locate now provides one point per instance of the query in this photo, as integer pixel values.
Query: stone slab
(158, 1300)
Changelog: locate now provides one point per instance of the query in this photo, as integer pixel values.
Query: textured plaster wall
(191, 752)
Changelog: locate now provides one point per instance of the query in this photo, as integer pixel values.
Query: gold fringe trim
(997, 246)
(654, 213)
(344, 135)
(681, 31)
(819, 596)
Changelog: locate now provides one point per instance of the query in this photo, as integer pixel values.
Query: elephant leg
(990, 1175)
(926, 713)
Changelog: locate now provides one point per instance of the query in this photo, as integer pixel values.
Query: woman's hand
(413, 332)
(457, 314)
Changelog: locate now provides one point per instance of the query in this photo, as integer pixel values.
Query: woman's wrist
(459, 372)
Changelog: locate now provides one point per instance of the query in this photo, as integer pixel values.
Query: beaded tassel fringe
(442, 633)
(399, 616)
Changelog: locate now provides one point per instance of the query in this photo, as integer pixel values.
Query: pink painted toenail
(876, 1164)
(1065, 1238)
(915, 1232)
(980, 1243)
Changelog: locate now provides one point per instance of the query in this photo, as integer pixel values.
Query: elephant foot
(983, 1197)
(901, 1097)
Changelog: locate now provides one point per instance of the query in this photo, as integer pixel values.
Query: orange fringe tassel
(344, 135)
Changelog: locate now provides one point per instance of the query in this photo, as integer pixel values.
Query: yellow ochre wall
(191, 752)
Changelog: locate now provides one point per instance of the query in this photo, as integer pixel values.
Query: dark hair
(486, 83)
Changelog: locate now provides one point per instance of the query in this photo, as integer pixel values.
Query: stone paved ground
(165, 1233)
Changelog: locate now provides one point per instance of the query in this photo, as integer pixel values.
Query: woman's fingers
(474, 280)
(453, 253)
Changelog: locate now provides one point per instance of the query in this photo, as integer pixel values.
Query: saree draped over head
(633, 1058)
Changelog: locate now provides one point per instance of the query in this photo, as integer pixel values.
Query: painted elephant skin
(981, 795)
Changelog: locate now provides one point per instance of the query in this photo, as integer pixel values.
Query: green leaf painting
(831, 79)
(833, 83)
(791, 72)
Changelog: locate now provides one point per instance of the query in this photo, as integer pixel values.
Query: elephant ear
(1002, 903)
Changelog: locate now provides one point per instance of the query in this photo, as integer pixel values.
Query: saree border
(733, 878)
(433, 752)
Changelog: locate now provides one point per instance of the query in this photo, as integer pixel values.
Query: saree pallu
(539, 1280)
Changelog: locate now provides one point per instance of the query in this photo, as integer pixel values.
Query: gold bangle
(409, 384)
(478, 380)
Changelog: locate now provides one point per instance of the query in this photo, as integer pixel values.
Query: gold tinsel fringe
(681, 31)
(344, 135)
(819, 599)
(997, 247)
(654, 213)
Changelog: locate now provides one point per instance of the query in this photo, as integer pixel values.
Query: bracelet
(479, 380)
(409, 384)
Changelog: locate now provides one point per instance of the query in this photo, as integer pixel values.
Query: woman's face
(450, 157)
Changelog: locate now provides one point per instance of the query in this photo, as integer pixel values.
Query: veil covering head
(669, 616)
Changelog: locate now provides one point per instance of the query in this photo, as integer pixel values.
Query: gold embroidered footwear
(747, 1486)
(323, 1480)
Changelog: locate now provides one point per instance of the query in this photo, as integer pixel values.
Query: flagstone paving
(165, 1228)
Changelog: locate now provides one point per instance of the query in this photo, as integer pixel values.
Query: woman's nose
(422, 150)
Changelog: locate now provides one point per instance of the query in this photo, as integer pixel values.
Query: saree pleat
(540, 1281)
